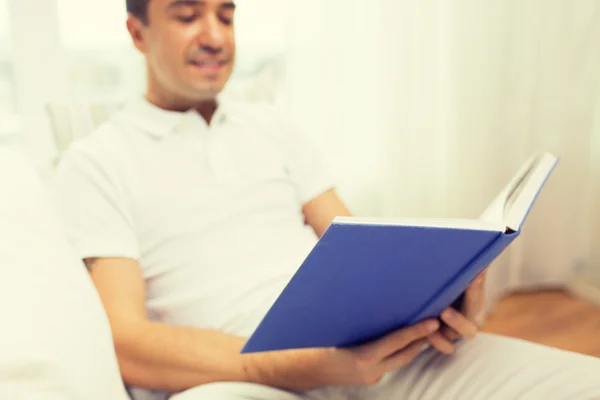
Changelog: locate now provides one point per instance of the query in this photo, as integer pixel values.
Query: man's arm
(154, 355)
(320, 212)
(157, 356)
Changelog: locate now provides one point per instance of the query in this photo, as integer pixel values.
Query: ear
(136, 30)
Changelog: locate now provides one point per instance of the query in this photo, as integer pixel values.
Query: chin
(207, 92)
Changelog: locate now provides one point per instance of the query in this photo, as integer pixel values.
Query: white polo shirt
(212, 213)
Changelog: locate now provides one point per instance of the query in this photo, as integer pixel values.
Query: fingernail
(432, 326)
(449, 313)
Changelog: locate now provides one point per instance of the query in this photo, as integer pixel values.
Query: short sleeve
(93, 207)
(307, 165)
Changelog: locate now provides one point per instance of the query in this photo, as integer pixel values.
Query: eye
(186, 19)
(226, 20)
(226, 16)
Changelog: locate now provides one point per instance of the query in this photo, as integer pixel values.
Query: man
(192, 214)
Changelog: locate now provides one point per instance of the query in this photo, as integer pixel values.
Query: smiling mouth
(209, 65)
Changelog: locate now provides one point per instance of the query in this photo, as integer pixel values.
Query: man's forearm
(162, 357)
(157, 356)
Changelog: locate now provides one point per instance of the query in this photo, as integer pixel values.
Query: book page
(496, 211)
(517, 189)
(520, 201)
(456, 223)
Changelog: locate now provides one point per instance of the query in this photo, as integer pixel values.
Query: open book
(367, 277)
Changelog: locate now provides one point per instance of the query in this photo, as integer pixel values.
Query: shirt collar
(159, 122)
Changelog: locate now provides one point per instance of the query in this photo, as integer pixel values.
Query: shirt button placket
(219, 156)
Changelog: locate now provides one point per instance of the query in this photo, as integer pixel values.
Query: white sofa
(55, 337)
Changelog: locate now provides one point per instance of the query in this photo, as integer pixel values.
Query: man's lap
(494, 367)
(488, 367)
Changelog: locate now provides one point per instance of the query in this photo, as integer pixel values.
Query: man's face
(189, 46)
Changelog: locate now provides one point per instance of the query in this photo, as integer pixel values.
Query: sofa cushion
(56, 340)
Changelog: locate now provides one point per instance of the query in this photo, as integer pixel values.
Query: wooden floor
(552, 318)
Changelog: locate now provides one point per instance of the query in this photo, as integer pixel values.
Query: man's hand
(362, 365)
(463, 323)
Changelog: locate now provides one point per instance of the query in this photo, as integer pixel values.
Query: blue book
(366, 278)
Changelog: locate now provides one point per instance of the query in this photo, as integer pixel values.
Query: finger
(459, 323)
(480, 278)
(441, 343)
(403, 357)
(449, 333)
(392, 343)
(403, 338)
(474, 302)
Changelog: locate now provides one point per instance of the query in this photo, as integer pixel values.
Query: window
(8, 109)
(100, 59)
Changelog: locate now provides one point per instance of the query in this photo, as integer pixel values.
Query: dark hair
(138, 8)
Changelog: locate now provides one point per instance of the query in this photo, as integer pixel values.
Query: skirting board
(586, 288)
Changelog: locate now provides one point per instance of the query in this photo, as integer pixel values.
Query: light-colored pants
(488, 368)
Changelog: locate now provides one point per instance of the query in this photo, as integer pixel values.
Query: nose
(212, 35)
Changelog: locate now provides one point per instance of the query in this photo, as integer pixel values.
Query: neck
(172, 102)
(207, 110)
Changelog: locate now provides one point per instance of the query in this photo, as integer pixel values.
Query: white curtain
(428, 108)
(593, 269)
